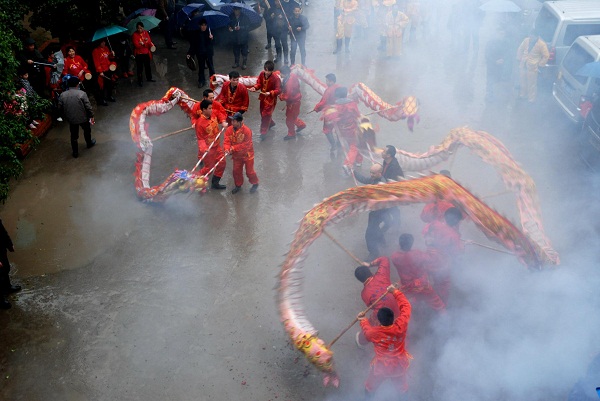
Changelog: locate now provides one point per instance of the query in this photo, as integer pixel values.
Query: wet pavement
(124, 300)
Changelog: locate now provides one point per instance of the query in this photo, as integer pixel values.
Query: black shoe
(91, 144)
(272, 124)
(243, 66)
(151, 80)
(263, 137)
(236, 190)
(215, 183)
(300, 128)
(14, 288)
(288, 137)
(103, 103)
(75, 155)
(112, 99)
(236, 65)
(4, 304)
(268, 46)
(275, 60)
(254, 188)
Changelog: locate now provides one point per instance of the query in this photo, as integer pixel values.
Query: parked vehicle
(559, 23)
(590, 138)
(573, 92)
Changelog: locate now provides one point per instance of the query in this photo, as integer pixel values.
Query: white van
(570, 90)
(559, 23)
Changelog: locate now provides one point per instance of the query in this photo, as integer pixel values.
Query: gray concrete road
(130, 301)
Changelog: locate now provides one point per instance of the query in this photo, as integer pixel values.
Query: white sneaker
(59, 119)
(31, 126)
(34, 122)
(356, 339)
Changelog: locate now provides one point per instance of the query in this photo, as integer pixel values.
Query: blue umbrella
(590, 70)
(253, 16)
(185, 14)
(214, 19)
(107, 31)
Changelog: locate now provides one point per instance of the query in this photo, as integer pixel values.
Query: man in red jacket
(103, 59)
(413, 266)
(234, 95)
(209, 142)
(269, 85)
(374, 285)
(326, 101)
(238, 144)
(391, 359)
(292, 96)
(444, 246)
(344, 115)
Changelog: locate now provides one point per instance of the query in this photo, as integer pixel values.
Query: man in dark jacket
(6, 287)
(239, 25)
(75, 106)
(201, 46)
(166, 13)
(298, 27)
(379, 220)
(27, 59)
(391, 167)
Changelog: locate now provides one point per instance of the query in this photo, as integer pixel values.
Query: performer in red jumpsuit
(328, 100)
(238, 144)
(292, 96)
(234, 95)
(207, 134)
(413, 267)
(269, 85)
(75, 65)
(103, 59)
(374, 286)
(391, 359)
(344, 115)
(444, 246)
(218, 111)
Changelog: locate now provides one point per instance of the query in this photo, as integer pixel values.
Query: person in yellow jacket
(532, 54)
(345, 21)
(395, 22)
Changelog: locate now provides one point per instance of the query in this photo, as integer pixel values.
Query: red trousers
(353, 156)
(266, 116)
(213, 156)
(238, 171)
(374, 380)
(292, 111)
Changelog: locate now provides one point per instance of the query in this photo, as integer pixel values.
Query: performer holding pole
(208, 135)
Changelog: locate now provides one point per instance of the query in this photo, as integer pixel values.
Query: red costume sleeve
(259, 81)
(227, 141)
(219, 111)
(242, 100)
(328, 98)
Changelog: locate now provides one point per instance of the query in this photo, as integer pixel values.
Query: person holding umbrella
(105, 66)
(239, 25)
(201, 46)
(142, 45)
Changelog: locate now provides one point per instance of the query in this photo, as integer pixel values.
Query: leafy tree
(12, 126)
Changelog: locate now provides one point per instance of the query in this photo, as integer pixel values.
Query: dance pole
(172, 133)
(208, 150)
(379, 111)
(356, 318)
(489, 247)
(190, 99)
(496, 194)
(360, 262)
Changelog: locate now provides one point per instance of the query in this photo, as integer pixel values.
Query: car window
(546, 24)
(574, 31)
(576, 58)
